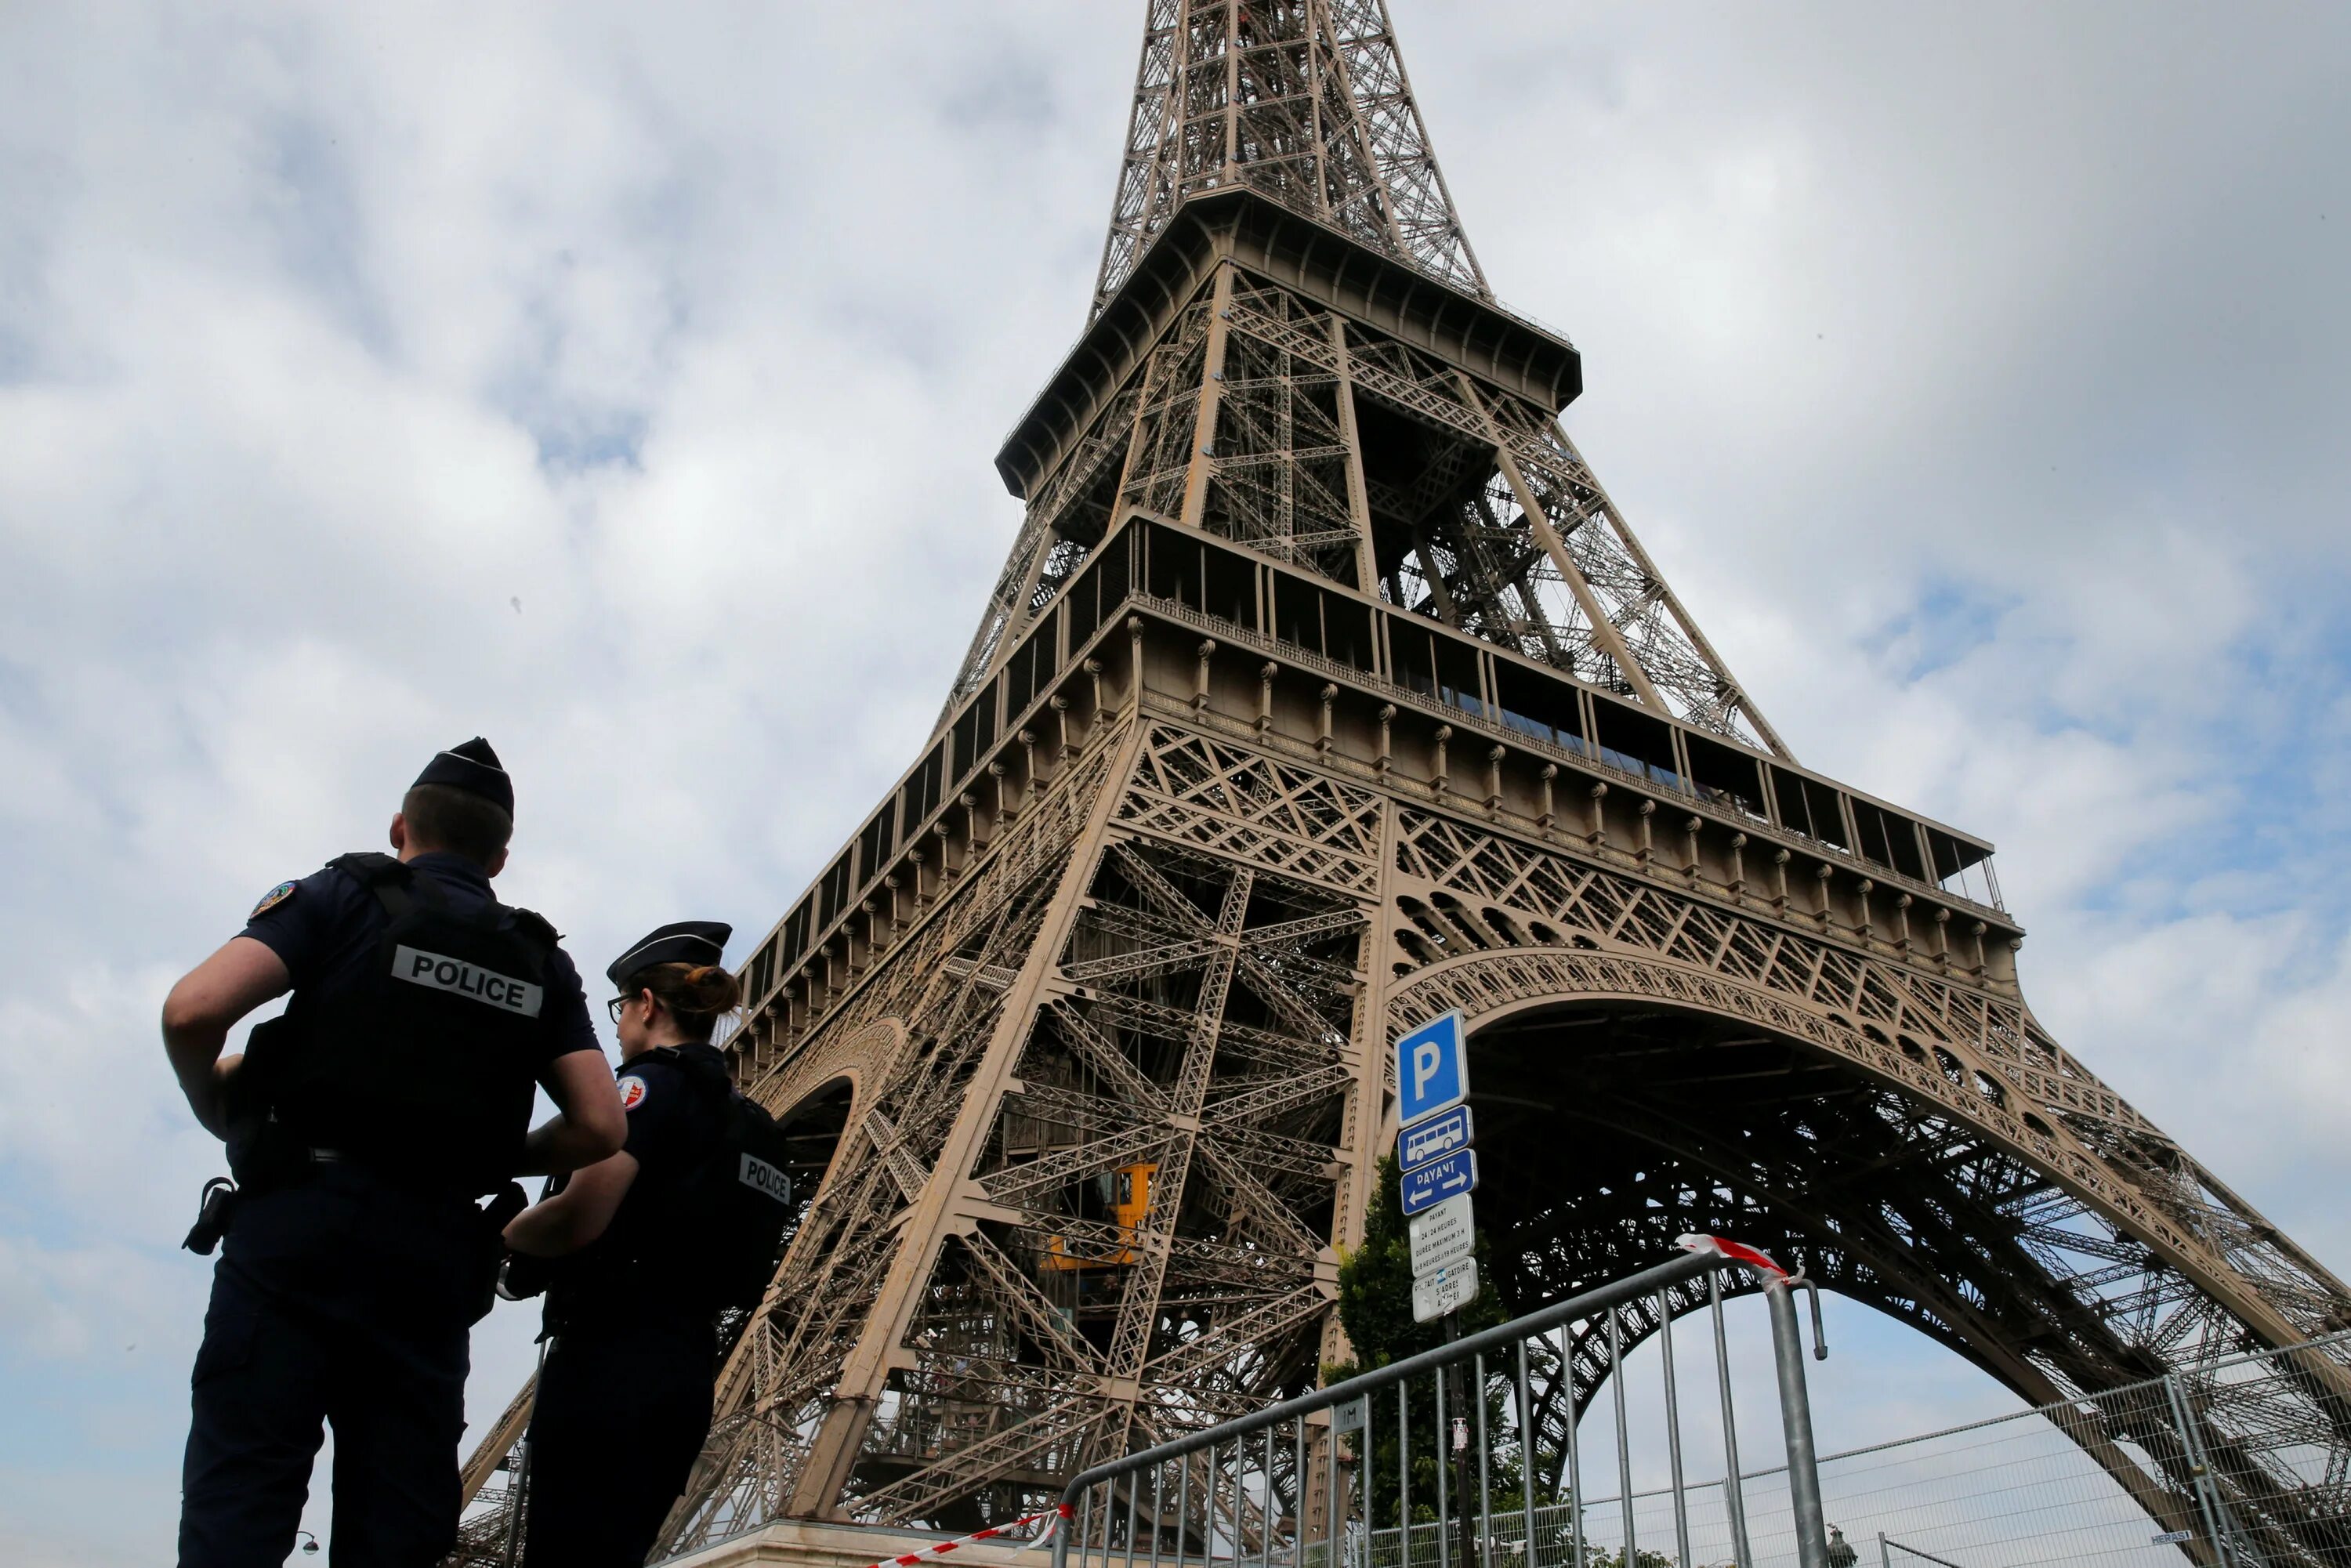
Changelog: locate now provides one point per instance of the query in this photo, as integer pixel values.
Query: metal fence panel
(1462, 1457)
(1449, 1460)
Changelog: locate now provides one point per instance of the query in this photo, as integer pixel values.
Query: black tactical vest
(424, 1065)
(749, 1197)
(709, 1244)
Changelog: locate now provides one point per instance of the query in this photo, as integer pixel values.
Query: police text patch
(457, 976)
(632, 1092)
(763, 1177)
(271, 899)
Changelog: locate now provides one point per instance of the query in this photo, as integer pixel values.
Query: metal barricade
(1452, 1464)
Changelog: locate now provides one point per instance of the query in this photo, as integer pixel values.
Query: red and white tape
(1057, 1513)
(1754, 1258)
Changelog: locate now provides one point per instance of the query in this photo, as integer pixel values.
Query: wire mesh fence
(2238, 1462)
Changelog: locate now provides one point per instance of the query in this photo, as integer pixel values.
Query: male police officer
(362, 1126)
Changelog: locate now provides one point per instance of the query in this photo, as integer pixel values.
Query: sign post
(1439, 1169)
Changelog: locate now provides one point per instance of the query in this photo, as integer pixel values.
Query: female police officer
(636, 1276)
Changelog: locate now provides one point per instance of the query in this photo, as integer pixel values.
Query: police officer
(623, 1400)
(363, 1126)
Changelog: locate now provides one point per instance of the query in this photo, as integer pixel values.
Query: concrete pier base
(813, 1543)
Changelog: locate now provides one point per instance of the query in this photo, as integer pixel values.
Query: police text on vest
(761, 1176)
(484, 986)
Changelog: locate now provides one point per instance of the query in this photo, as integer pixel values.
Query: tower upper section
(1305, 100)
(1291, 349)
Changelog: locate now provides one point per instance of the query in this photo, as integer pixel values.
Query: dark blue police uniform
(623, 1401)
(347, 1282)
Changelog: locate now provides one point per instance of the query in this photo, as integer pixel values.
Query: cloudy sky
(622, 381)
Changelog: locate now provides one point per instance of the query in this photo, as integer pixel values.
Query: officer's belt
(294, 1165)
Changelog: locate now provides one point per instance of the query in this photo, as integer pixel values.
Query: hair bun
(697, 995)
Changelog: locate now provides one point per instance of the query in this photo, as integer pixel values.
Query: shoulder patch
(632, 1092)
(273, 898)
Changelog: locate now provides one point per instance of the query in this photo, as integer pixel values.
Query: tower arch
(1643, 1099)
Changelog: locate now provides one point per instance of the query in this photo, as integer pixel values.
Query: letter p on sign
(1432, 1070)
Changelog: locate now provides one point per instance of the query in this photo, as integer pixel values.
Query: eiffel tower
(1326, 691)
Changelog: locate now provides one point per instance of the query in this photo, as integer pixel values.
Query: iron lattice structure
(1326, 691)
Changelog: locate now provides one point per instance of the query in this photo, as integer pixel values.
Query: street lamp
(310, 1543)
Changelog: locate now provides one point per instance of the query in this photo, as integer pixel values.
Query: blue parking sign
(1432, 1070)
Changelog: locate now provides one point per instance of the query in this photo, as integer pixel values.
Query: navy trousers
(341, 1301)
(621, 1414)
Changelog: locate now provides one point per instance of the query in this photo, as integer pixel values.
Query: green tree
(1375, 1309)
(1375, 1286)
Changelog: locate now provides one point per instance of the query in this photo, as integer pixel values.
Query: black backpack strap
(711, 1076)
(368, 866)
(700, 1069)
(536, 929)
(390, 880)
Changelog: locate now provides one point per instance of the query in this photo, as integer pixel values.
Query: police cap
(679, 942)
(474, 768)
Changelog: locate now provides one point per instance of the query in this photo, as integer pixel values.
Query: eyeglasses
(614, 1007)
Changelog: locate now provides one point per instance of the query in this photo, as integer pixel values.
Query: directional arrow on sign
(1432, 1184)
